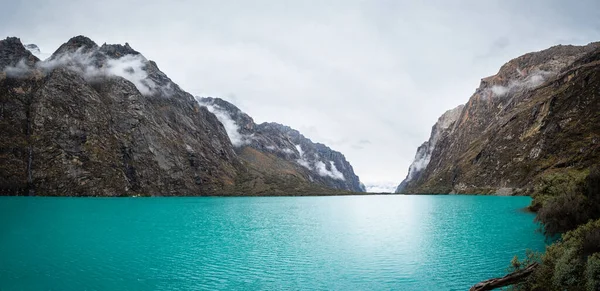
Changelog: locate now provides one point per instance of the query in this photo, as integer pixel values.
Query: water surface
(261, 243)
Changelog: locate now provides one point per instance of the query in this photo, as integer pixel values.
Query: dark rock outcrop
(13, 54)
(541, 112)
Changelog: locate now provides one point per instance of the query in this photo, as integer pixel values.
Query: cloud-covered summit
(80, 54)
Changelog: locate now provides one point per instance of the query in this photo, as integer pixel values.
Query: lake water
(390, 242)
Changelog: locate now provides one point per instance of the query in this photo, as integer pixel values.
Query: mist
(95, 64)
(233, 130)
(531, 81)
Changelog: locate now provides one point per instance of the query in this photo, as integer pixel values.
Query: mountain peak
(79, 42)
(118, 50)
(12, 52)
(11, 40)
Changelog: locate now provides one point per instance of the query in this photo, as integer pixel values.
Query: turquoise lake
(383, 242)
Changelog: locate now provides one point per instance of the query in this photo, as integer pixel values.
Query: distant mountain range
(104, 121)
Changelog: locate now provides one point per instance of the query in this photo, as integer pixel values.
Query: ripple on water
(279, 243)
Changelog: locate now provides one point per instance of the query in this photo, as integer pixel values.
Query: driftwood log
(510, 279)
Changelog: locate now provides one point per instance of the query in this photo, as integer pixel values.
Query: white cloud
(34, 50)
(499, 90)
(129, 67)
(318, 166)
(531, 81)
(232, 129)
(19, 70)
(419, 165)
(302, 161)
(332, 173)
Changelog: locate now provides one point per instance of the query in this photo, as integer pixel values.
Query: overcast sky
(367, 78)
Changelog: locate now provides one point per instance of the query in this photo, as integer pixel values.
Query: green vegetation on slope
(573, 263)
(567, 199)
(567, 202)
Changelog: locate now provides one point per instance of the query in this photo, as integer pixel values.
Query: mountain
(104, 121)
(539, 114)
(315, 162)
(442, 127)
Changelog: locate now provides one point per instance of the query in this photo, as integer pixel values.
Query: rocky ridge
(104, 121)
(538, 114)
(315, 161)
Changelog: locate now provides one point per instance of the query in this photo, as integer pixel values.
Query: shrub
(565, 200)
(592, 273)
(517, 265)
(563, 212)
(555, 184)
(568, 264)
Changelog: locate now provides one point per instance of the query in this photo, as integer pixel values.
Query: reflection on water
(310, 243)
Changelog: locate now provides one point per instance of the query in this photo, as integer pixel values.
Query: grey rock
(317, 162)
(537, 115)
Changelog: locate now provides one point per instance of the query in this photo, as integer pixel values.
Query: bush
(567, 264)
(555, 184)
(592, 273)
(563, 212)
(592, 189)
(565, 200)
(517, 265)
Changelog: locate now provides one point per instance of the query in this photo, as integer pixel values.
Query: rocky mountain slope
(442, 127)
(105, 121)
(540, 113)
(315, 162)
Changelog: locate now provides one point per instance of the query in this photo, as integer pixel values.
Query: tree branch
(510, 279)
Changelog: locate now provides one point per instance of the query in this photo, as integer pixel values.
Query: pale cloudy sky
(367, 78)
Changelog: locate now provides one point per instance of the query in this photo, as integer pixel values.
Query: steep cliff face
(104, 121)
(540, 113)
(314, 162)
(443, 127)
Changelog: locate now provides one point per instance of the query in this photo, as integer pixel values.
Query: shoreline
(525, 209)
